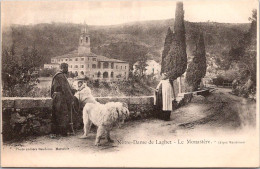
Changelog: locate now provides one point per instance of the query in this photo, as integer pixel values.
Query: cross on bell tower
(84, 40)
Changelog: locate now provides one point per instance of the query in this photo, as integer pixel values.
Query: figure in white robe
(84, 94)
(163, 98)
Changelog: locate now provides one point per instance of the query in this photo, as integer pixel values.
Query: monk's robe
(63, 97)
(163, 99)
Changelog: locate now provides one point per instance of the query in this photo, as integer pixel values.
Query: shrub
(96, 83)
(47, 72)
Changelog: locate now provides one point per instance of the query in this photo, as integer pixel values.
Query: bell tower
(84, 41)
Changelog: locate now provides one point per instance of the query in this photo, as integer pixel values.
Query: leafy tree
(197, 68)
(167, 47)
(15, 69)
(10, 69)
(141, 64)
(176, 60)
(244, 55)
(30, 59)
(16, 82)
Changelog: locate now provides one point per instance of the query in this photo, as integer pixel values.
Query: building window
(52, 61)
(76, 73)
(112, 74)
(76, 66)
(58, 60)
(82, 66)
(76, 59)
(70, 66)
(82, 59)
(98, 75)
(94, 59)
(70, 59)
(62, 60)
(112, 65)
(94, 66)
(116, 66)
(99, 65)
(125, 67)
(121, 67)
(87, 39)
(105, 75)
(88, 58)
(105, 65)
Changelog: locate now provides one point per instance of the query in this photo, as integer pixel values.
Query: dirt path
(223, 112)
(220, 112)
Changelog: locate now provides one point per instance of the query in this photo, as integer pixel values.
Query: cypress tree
(167, 47)
(176, 60)
(197, 68)
(179, 28)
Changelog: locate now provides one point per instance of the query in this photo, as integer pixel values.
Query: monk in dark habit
(63, 102)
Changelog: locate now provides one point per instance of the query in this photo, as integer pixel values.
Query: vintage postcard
(152, 83)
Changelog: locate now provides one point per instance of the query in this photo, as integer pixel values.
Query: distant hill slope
(124, 41)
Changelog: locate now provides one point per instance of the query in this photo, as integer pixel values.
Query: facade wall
(94, 68)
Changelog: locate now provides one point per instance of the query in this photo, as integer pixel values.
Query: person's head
(164, 76)
(64, 68)
(80, 83)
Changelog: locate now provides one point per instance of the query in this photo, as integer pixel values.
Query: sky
(107, 12)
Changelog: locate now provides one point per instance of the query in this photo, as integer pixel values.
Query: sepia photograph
(148, 83)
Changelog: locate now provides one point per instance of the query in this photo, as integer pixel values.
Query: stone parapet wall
(24, 116)
(42, 102)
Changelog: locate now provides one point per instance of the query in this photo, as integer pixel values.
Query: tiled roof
(103, 58)
(74, 54)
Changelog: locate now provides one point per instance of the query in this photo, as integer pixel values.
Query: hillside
(124, 41)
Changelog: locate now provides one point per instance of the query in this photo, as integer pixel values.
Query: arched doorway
(82, 73)
(105, 75)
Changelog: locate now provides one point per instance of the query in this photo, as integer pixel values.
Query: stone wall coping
(46, 102)
(47, 98)
(195, 92)
(26, 98)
